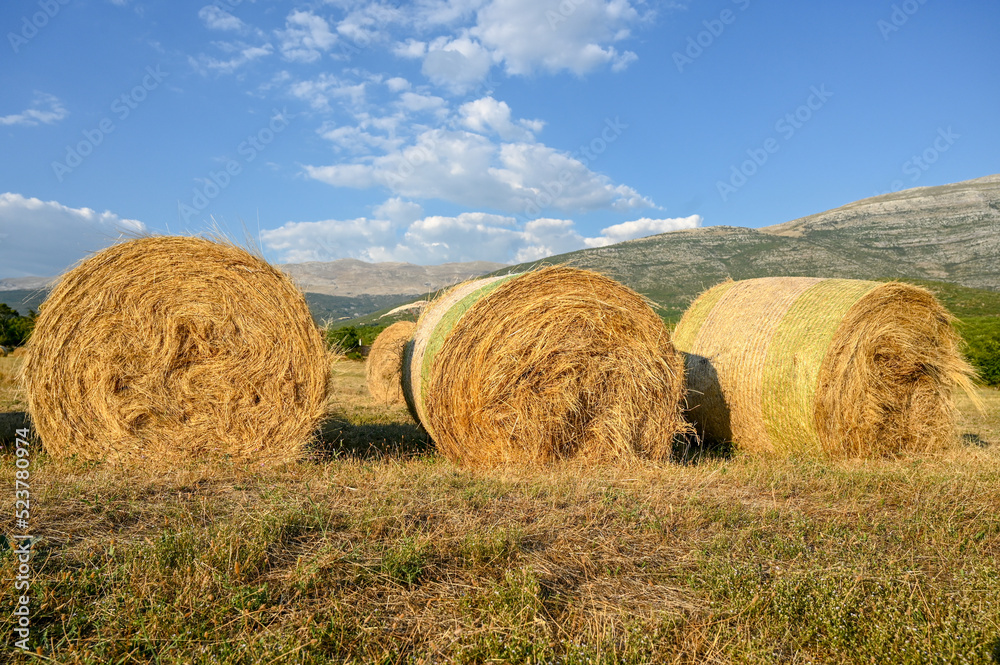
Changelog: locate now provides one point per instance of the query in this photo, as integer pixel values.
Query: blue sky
(454, 130)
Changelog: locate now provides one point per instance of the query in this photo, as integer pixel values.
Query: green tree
(14, 328)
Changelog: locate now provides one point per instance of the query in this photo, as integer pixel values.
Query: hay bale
(541, 366)
(828, 366)
(170, 348)
(384, 367)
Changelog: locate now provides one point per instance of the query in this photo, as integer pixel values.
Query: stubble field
(378, 550)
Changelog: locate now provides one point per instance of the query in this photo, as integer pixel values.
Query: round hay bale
(542, 366)
(171, 348)
(839, 367)
(384, 367)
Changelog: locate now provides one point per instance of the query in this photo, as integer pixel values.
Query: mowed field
(378, 550)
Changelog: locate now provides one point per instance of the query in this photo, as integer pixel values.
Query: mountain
(25, 283)
(932, 235)
(335, 291)
(948, 233)
(350, 277)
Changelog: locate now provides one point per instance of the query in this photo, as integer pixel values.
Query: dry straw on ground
(546, 365)
(384, 367)
(170, 348)
(804, 365)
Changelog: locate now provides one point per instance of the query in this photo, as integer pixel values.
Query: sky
(458, 130)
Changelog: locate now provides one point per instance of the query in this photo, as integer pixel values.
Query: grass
(377, 550)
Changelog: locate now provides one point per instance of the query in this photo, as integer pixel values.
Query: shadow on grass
(690, 450)
(338, 439)
(10, 422)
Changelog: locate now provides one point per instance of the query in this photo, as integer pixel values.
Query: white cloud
(417, 103)
(411, 49)
(320, 91)
(305, 37)
(556, 35)
(44, 237)
(469, 169)
(399, 211)
(487, 115)
(216, 18)
(356, 139)
(297, 242)
(367, 23)
(458, 64)
(435, 13)
(244, 54)
(45, 109)
(641, 228)
(397, 84)
(399, 232)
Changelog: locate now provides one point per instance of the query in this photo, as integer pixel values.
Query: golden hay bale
(544, 365)
(170, 348)
(384, 367)
(806, 365)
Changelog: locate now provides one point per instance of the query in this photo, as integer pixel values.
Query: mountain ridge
(948, 233)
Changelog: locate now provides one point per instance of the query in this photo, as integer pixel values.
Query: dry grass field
(380, 551)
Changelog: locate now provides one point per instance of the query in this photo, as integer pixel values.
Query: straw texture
(837, 367)
(170, 348)
(384, 367)
(546, 365)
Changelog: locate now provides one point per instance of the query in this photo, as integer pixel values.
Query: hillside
(350, 277)
(948, 233)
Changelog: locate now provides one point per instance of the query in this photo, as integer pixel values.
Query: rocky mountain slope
(350, 277)
(947, 233)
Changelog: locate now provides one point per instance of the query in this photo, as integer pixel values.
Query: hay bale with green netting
(541, 366)
(167, 349)
(831, 366)
(384, 367)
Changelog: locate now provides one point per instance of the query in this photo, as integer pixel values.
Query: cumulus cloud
(553, 36)
(399, 211)
(411, 49)
(458, 64)
(415, 102)
(398, 231)
(487, 115)
(641, 228)
(397, 84)
(43, 238)
(216, 18)
(368, 22)
(320, 91)
(298, 242)
(306, 37)
(45, 109)
(469, 169)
